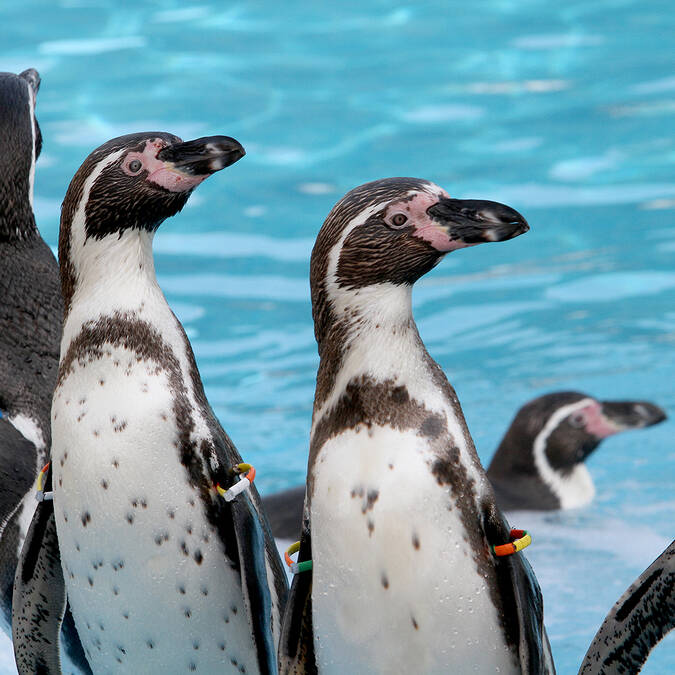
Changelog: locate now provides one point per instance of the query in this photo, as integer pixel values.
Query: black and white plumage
(556, 432)
(539, 463)
(31, 313)
(399, 516)
(640, 618)
(30, 316)
(30, 323)
(162, 574)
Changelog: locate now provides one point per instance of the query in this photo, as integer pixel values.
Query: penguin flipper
(250, 547)
(18, 458)
(640, 618)
(39, 599)
(523, 605)
(296, 646)
(534, 648)
(252, 566)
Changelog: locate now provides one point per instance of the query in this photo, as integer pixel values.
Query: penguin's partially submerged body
(539, 464)
(161, 572)
(400, 519)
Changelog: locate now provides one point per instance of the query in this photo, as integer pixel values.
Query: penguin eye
(134, 166)
(577, 420)
(399, 220)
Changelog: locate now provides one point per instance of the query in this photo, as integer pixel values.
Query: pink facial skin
(415, 210)
(164, 174)
(594, 422)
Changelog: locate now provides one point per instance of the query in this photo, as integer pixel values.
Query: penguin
(31, 312)
(514, 471)
(400, 519)
(639, 619)
(539, 464)
(162, 573)
(30, 319)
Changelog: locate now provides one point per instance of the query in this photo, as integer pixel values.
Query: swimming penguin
(539, 464)
(400, 519)
(556, 432)
(163, 574)
(640, 618)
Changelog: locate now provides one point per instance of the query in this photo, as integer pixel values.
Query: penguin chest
(395, 583)
(147, 578)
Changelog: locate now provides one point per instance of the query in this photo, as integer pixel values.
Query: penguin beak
(474, 221)
(203, 156)
(632, 414)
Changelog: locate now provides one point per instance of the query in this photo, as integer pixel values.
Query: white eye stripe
(77, 225)
(578, 488)
(31, 112)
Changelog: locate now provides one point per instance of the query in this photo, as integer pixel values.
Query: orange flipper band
(294, 567)
(520, 539)
(241, 485)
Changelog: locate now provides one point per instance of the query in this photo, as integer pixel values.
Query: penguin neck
(573, 486)
(114, 274)
(371, 351)
(370, 331)
(17, 176)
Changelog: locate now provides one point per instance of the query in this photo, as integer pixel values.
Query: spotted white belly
(395, 588)
(146, 575)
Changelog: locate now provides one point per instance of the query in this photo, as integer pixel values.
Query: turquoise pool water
(565, 113)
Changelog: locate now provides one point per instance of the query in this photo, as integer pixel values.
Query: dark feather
(521, 599)
(296, 646)
(18, 459)
(641, 617)
(39, 597)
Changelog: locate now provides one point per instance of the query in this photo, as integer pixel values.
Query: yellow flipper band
(294, 567)
(40, 494)
(239, 486)
(520, 539)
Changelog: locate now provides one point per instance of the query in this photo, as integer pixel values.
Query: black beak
(475, 221)
(203, 156)
(633, 414)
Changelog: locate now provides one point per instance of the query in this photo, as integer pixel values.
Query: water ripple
(612, 286)
(91, 46)
(543, 195)
(234, 245)
(230, 286)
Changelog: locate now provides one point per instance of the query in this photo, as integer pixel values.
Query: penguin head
(20, 146)
(139, 180)
(576, 423)
(126, 188)
(392, 231)
(396, 229)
